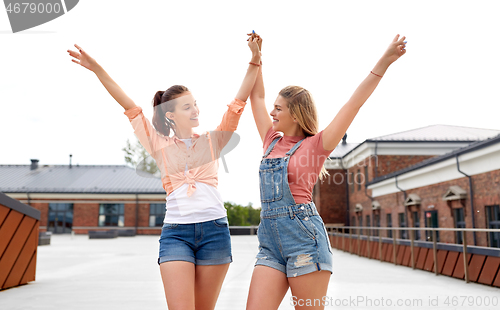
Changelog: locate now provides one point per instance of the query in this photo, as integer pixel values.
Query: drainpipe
(471, 194)
(406, 209)
(348, 216)
(136, 212)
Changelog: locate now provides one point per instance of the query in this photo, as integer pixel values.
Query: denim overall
(292, 237)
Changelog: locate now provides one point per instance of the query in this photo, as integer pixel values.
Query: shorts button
(302, 208)
(306, 219)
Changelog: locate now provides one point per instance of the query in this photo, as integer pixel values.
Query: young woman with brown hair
(195, 248)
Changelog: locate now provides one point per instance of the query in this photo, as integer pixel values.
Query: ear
(169, 115)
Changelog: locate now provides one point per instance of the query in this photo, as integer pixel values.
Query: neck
(184, 133)
(295, 131)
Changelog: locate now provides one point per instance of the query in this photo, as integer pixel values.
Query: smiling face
(185, 114)
(282, 118)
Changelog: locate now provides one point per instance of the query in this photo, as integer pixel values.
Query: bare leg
(267, 288)
(208, 282)
(308, 290)
(179, 282)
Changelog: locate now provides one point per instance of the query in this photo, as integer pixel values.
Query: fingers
(395, 38)
(74, 54)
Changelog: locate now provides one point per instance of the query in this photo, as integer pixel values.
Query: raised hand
(83, 59)
(253, 44)
(395, 50)
(253, 35)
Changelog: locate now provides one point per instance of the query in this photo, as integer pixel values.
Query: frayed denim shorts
(205, 243)
(294, 240)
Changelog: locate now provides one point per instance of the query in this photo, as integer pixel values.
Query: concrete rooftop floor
(77, 273)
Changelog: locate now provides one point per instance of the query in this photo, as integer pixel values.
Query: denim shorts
(205, 243)
(294, 241)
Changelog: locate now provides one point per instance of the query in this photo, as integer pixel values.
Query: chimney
(34, 164)
(70, 155)
(344, 139)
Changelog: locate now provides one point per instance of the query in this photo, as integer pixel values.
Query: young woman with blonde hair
(294, 250)
(195, 247)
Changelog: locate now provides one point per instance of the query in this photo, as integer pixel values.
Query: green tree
(137, 157)
(239, 215)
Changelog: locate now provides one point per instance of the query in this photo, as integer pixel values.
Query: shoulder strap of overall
(271, 147)
(294, 148)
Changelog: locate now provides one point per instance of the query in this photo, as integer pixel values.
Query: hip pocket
(222, 222)
(271, 184)
(305, 224)
(167, 226)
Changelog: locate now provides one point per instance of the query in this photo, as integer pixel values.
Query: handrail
(333, 228)
(417, 228)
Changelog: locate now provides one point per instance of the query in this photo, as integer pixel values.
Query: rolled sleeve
(133, 113)
(237, 106)
(232, 116)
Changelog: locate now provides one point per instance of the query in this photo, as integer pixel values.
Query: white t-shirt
(205, 204)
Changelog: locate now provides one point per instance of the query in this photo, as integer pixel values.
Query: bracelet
(376, 74)
(253, 63)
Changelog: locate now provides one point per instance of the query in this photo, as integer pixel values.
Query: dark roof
(77, 179)
(431, 161)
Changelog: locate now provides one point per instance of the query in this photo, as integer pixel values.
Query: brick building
(82, 198)
(417, 178)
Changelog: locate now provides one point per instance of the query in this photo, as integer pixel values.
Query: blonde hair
(302, 108)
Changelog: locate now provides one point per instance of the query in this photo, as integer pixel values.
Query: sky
(52, 107)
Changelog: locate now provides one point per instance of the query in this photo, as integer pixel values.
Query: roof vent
(34, 164)
(344, 139)
(413, 200)
(455, 193)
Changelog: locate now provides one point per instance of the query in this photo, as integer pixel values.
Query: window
(353, 221)
(376, 223)
(493, 218)
(431, 221)
(366, 174)
(458, 215)
(360, 220)
(60, 218)
(389, 224)
(416, 224)
(403, 234)
(156, 214)
(368, 222)
(111, 214)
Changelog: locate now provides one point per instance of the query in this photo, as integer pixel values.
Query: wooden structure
(18, 242)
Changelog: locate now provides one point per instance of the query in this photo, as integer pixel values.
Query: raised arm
(337, 128)
(84, 59)
(257, 99)
(252, 71)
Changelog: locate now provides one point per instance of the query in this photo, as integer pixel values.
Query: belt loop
(290, 211)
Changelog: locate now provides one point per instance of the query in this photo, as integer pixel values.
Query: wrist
(255, 59)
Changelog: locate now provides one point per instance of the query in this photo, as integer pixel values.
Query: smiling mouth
(194, 118)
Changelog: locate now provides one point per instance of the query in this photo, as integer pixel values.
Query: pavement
(74, 272)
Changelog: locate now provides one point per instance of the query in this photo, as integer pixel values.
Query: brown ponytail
(163, 103)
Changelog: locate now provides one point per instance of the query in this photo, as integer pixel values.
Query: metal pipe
(136, 212)
(434, 251)
(406, 209)
(471, 194)
(466, 265)
(348, 215)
